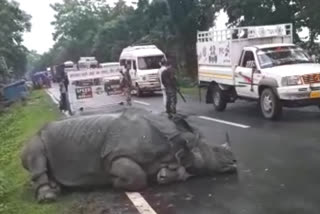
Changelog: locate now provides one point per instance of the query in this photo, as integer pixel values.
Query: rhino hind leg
(128, 175)
(35, 161)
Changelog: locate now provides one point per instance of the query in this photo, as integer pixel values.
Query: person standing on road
(63, 96)
(127, 83)
(169, 82)
(163, 67)
(66, 81)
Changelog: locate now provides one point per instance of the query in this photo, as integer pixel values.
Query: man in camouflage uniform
(169, 82)
(127, 83)
(63, 96)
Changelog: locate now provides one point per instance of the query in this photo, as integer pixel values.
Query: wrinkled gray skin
(125, 150)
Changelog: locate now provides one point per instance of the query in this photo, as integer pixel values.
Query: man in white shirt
(163, 68)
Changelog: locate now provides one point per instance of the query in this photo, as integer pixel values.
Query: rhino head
(212, 159)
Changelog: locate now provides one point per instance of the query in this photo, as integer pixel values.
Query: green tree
(13, 23)
(76, 24)
(88, 27)
(302, 13)
(188, 17)
(310, 16)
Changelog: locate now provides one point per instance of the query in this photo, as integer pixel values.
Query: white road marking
(142, 103)
(225, 122)
(54, 99)
(140, 203)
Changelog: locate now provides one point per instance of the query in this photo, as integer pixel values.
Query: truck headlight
(292, 80)
(143, 78)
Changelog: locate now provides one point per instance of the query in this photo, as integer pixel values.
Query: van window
(149, 62)
(123, 62)
(248, 59)
(128, 64)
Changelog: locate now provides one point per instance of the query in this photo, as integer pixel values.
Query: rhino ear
(227, 143)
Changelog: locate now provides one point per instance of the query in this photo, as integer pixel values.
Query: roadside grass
(18, 125)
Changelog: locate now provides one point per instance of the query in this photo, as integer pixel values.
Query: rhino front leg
(128, 175)
(35, 161)
(169, 175)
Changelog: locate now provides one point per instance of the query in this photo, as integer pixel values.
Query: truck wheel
(219, 103)
(270, 104)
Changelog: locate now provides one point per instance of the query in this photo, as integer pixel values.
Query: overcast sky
(40, 37)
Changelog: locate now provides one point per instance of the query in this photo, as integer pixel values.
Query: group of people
(168, 83)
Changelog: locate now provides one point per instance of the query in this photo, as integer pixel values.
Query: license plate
(315, 94)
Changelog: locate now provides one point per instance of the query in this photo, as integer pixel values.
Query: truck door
(246, 80)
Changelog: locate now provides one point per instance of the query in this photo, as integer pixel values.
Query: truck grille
(311, 78)
(153, 77)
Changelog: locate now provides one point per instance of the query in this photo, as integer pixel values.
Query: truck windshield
(271, 57)
(149, 62)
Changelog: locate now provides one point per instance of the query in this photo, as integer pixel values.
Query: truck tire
(270, 104)
(219, 103)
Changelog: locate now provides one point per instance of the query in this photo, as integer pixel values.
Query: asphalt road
(278, 163)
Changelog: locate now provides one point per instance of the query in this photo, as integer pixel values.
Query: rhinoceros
(128, 150)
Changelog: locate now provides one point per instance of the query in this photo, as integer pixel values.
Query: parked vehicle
(112, 78)
(87, 63)
(41, 80)
(145, 64)
(70, 66)
(257, 63)
(15, 91)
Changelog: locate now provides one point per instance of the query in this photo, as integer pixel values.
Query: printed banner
(84, 93)
(214, 53)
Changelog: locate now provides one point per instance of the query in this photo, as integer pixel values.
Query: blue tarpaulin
(15, 91)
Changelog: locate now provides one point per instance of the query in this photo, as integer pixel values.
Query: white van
(145, 64)
(87, 63)
(69, 66)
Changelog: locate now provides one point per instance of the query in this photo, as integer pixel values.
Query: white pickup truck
(257, 63)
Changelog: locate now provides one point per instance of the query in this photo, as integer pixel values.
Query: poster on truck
(214, 53)
(84, 93)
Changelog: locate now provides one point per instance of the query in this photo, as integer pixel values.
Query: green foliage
(94, 28)
(17, 126)
(13, 23)
(89, 27)
(302, 13)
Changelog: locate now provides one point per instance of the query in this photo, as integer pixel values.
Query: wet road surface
(278, 163)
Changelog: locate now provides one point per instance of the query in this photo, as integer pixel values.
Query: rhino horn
(227, 143)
